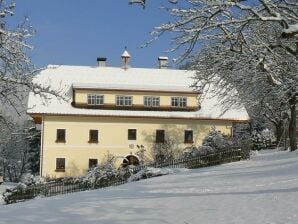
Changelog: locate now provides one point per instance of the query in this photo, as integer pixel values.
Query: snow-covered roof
(63, 78)
(133, 87)
(125, 54)
(163, 58)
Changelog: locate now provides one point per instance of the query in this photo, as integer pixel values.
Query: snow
(125, 54)
(263, 190)
(292, 29)
(137, 87)
(163, 58)
(154, 172)
(61, 78)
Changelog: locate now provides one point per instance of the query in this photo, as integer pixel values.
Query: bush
(167, 151)
(31, 180)
(262, 139)
(103, 174)
(213, 142)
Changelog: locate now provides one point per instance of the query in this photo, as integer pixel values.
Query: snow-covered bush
(23, 187)
(31, 180)
(263, 139)
(215, 140)
(108, 161)
(149, 172)
(142, 155)
(190, 151)
(13, 191)
(103, 174)
(166, 151)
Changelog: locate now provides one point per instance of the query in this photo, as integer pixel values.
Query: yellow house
(103, 110)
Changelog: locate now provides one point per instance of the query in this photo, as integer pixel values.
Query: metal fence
(75, 185)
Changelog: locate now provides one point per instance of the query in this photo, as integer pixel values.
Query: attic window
(151, 101)
(95, 99)
(179, 101)
(124, 100)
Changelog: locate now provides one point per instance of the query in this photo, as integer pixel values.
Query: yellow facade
(80, 97)
(113, 138)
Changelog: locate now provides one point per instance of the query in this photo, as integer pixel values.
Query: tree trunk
(292, 125)
(279, 130)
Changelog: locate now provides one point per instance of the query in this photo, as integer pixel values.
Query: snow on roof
(63, 78)
(125, 54)
(145, 87)
(163, 58)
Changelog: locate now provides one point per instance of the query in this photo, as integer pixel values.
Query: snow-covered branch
(16, 69)
(244, 48)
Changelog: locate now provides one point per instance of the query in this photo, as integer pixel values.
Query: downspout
(41, 146)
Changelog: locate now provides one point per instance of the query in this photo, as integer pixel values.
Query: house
(117, 110)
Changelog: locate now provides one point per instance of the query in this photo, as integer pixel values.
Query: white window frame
(95, 99)
(151, 101)
(181, 101)
(127, 101)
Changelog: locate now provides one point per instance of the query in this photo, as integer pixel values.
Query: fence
(73, 185)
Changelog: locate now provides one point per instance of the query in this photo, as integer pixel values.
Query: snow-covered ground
(263, 190)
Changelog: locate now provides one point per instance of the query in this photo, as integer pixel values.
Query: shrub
(163, 152)
(213, 142)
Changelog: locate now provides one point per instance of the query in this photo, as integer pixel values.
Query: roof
(62, 78)
(163, 58)
(125, 54)
(136, 87)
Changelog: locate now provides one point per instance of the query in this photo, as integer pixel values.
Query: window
(60, 135)
(93, 136)
(151, 101)
(178, 101)
(124, 100)
(160, 136)
(60, 164)
(188, 136)
(93, 163)
(132, 134)
(95, 99)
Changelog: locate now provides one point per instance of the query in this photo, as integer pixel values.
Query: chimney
(125, 59)
(102, 62)
(163, 62)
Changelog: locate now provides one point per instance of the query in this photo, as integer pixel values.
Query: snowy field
(263, 190)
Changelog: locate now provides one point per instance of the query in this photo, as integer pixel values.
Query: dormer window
(95, 99)
(123, 100)
(151, 101)
(179, 101)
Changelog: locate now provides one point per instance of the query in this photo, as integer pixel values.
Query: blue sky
(76, 32)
